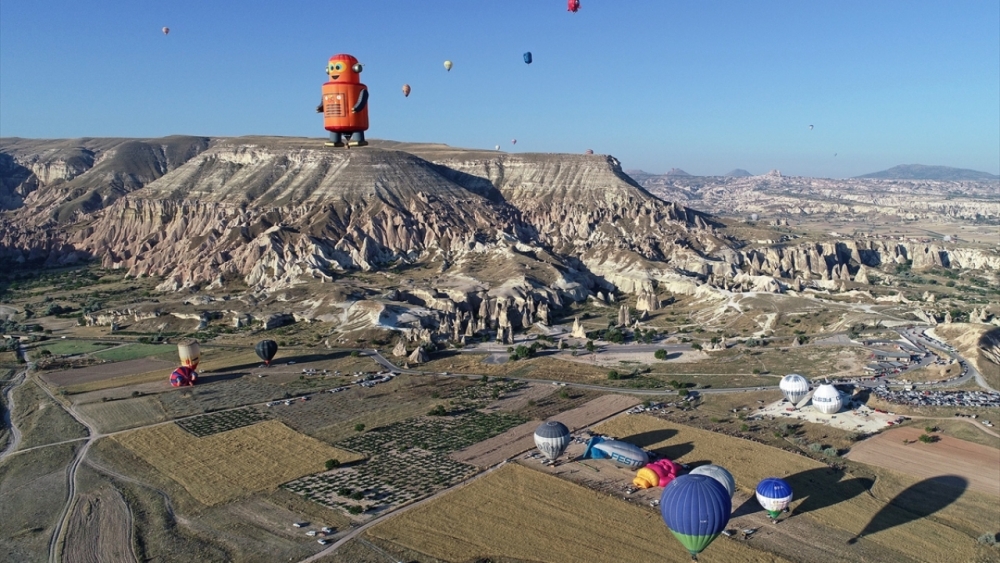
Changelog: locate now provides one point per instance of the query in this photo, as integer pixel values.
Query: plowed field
(948, 456)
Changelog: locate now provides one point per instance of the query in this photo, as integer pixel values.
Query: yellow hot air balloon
(406, 90)
(447, 65)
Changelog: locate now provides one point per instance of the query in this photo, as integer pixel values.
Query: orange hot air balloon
(166, 31)
(406, 90)
(345, 102)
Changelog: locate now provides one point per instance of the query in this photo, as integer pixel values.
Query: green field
(134, 352)
(72, 347)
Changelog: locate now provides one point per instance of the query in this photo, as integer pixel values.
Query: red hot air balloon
(166, 31)
(183, 377)
(572, 5)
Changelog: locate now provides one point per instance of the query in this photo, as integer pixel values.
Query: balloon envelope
(827, 399)
(573, 5)
(696, 508)
(622, 453)
(656, 474)
(774, 494)
(590, 151)
(266, 349)
(794, 387)
(513, 141)
(720, 474)
(527, 57)
(406, 90)
(447, 65)
(183, 377)
(166, 31)
(190, 353)
(551, 438)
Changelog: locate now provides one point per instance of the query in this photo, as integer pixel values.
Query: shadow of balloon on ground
(915, 502)
(825, 486)
(646, 439)
(748, 507)
(674, 451)
(203, 379)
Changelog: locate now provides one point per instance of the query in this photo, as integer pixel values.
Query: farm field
(407, 460)
(98, 530)
(206, 425)
(225, 466)
(106, 375)
(134, 352)
(40, 419)
(979, 465)
(490, 452)
(865, 514)
(964, 429)
(70, 347)
(536, 517)
(121, 414)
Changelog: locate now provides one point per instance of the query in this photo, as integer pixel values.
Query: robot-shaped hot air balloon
(345, 102)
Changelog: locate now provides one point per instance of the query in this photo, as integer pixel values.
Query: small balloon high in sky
(886, 97)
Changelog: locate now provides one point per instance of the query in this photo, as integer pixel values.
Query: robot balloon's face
(344, 68)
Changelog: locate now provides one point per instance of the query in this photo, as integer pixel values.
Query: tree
(590, 346)
(438, 411)
(682, 392)
(660, 354)
(332, 463)
(359, 427)
(696, 346)
(613, 374)
(744, 428)
(355, 353)
(830, 452)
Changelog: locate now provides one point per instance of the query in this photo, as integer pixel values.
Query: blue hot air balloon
(527, 58)
(774, 494)
(696, 508)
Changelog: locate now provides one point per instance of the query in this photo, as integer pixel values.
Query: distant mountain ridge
(738, 173)
(924, 172)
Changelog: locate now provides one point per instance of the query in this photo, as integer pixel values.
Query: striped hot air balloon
(696, 508)
(774, 494)
(183, 377)
(794, 387)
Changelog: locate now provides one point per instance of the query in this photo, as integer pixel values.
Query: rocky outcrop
(419, 356)
(399, 350)
(578, 330)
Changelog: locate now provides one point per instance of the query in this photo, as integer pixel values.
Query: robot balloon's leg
(335, 140)
(358, 139)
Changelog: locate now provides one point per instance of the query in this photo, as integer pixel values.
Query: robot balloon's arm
(319, 108)
(362, 101)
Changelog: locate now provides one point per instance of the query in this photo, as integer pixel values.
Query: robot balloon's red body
(345, 102)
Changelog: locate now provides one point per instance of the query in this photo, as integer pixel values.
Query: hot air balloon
(657, 474)
(810, 127)
(590, 151)
(513, 141)
(527, 58)
(266, 349)
(551, 438)
(447, 66)
(190, 353)
(621, 453)
(497, 147)
(774, 494)
(794, 387)
(345, 102)
(406, 90)
(166, 31)
(696, 508)
(827, 399)
(573, 5)
(183, 377)
(720, 474)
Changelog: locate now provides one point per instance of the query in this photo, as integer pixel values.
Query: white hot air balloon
(497, 147)
(720, 474)
(551, 438)
(827, 399)
(794, 387)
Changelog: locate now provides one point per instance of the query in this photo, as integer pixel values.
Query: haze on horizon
(706, 87)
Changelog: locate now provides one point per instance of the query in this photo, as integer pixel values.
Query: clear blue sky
(694, 84)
